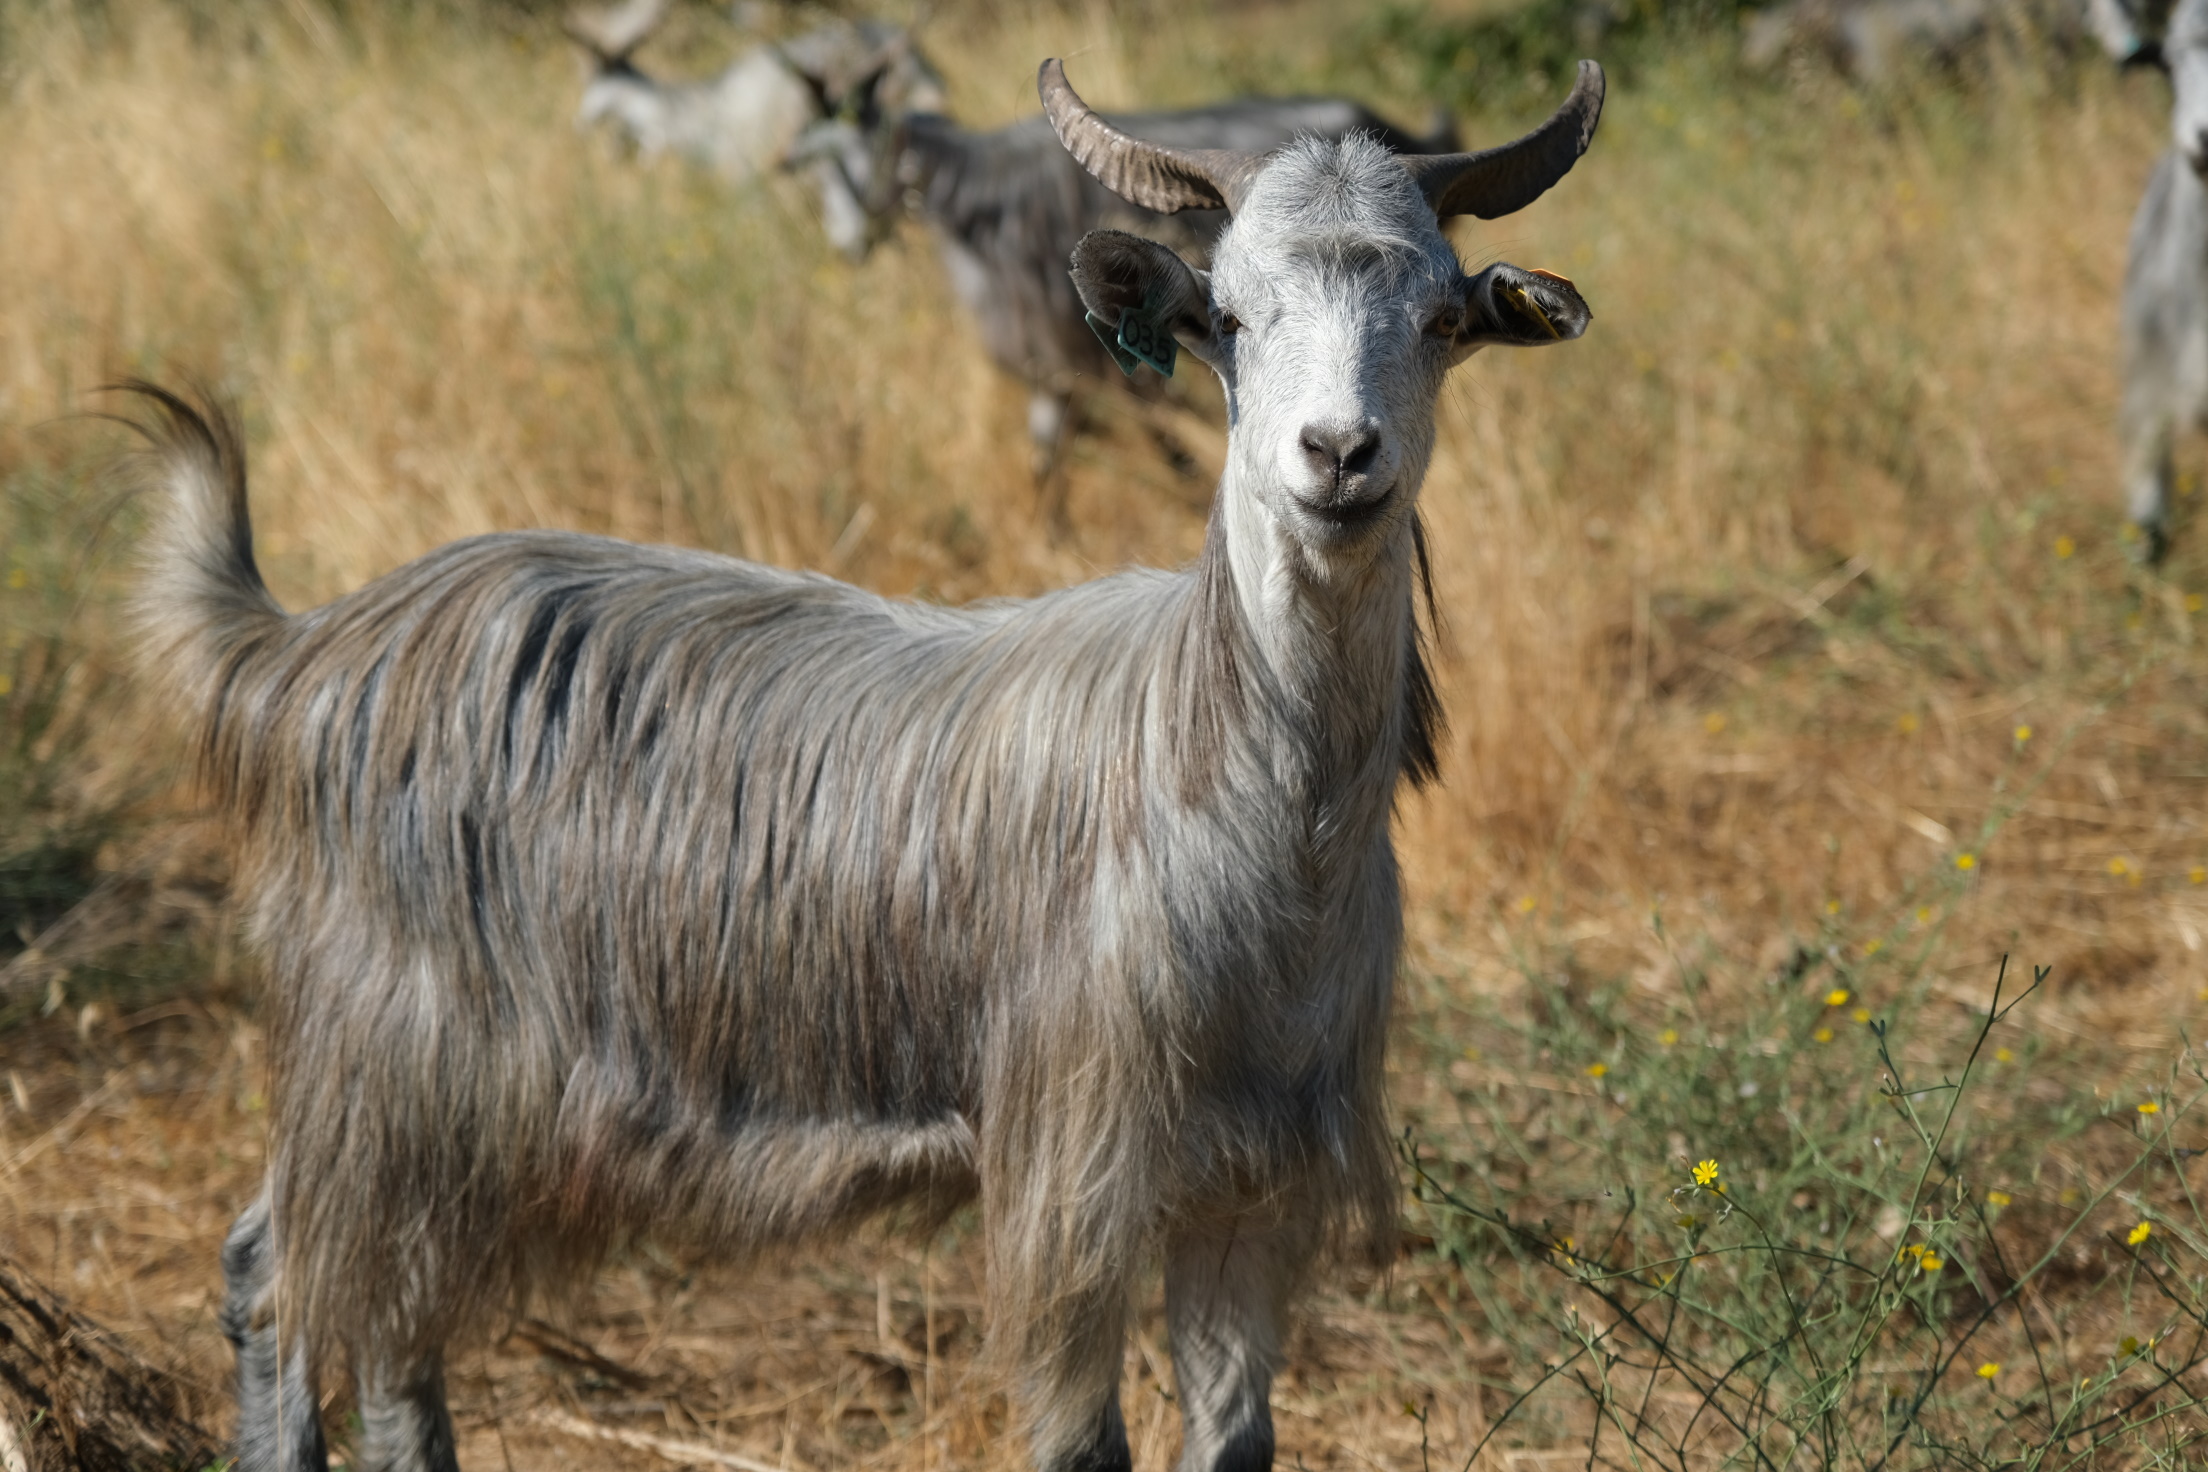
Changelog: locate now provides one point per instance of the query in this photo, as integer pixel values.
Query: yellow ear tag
(1523, 300)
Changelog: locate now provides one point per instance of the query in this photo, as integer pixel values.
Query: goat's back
(609, 887)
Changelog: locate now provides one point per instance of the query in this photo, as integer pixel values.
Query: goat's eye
(1229, 323)
(1447, 322)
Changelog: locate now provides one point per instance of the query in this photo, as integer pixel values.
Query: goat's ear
(1136, 291)
(1520, 308)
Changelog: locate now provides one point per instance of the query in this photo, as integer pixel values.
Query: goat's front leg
(1226, 1306)
(279, 1419)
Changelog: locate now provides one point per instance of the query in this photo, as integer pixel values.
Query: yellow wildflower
(2129, 1346)
(2023, 734)
(1997, 1198)
(1669, 1037)
(2117, 867)
(2194, 602)
(1873, 947)
(2064, 546)
(1988, 1370)
(2140, 1233)
(18, 578)
(1526, 904)
(1966, 862)
(1713, 723)
(1861, 1014)
(2198, 874)
(1924, 914)
(2150, 1107)
(1837, 997)
(1597, 1070)
(7, 684)
(2003, 1055)
(1906, 723)
(1930, 1263)
(1822, 1034)
(1832, 907)
(1705, 1174)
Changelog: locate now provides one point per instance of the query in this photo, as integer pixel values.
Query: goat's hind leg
(1071, 1397)
(1226, 1306)
(279, 1422)
(404, 1426)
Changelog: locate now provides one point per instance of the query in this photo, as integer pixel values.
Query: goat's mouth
(1347, 514)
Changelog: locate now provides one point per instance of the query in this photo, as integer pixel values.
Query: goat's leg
(1072, 1396)
(404, 1426)
(2148, 431)
(2165, 342)
(1226, 1303)
(279, 1423)
(1049, 425)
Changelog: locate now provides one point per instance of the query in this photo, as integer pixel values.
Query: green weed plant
(1809, 1229)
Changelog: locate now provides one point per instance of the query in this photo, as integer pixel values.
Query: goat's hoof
(2146, 542)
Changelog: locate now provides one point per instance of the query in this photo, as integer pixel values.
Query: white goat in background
(2165, 305)
(742, 122)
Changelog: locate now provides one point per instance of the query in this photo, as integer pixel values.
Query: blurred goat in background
(742, 122)
(1006, 208)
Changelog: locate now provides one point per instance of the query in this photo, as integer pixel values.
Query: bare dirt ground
(129, 1141)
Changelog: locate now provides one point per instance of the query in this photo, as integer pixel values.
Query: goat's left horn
(1497, 181)
(1149, 174)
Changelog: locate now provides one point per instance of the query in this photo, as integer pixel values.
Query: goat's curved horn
(1496, 181)
(1149, 174)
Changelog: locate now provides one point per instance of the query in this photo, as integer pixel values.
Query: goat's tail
(201, 606)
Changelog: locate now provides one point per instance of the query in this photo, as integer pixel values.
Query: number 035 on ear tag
(1143, 337)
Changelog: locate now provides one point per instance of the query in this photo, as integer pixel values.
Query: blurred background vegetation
(1791, 648)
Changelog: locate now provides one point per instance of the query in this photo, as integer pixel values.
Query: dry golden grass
(1745, 595)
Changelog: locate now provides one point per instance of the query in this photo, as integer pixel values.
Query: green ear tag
(1145, 332)
(1127, 361)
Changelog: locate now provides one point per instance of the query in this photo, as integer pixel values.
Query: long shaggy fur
(608, 889)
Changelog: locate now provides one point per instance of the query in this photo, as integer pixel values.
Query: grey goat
(1007, 207)
(608, 890)
(2165, 306)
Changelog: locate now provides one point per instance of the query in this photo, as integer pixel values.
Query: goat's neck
(1332, 636)
(933, 154)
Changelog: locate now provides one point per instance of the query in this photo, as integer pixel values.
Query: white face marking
(1326, 291)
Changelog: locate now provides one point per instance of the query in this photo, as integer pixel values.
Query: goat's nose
(1338, 452)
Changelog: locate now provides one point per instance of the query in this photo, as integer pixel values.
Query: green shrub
(1837, 1220)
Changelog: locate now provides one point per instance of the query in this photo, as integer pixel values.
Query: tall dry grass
(1747, 595)
(1831, 333)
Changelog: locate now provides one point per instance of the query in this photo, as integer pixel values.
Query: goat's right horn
(1149, 174)
(1496, 181)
